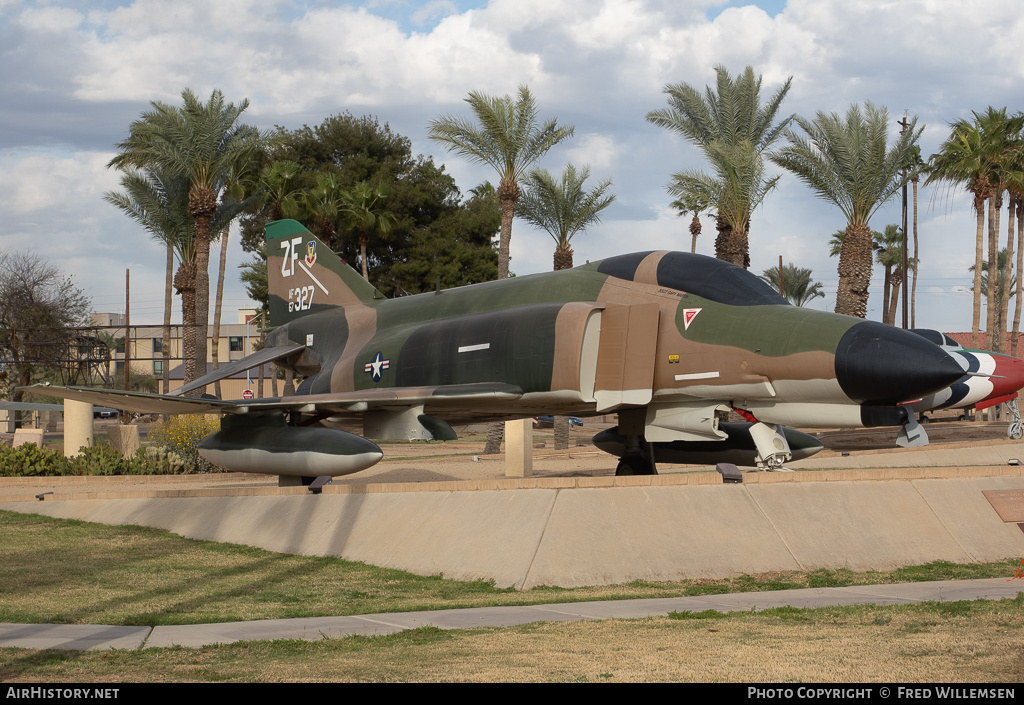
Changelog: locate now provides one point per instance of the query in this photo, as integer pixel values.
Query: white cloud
(598, 65)
(30, 183)
(49, 19)
(599, 151)
(432, 10)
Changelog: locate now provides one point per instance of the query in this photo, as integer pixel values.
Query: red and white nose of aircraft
(1007, 375)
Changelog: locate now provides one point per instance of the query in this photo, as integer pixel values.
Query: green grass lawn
(67, 571)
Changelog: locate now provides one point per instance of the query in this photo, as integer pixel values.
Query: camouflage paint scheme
(654, 332)
(669, 341)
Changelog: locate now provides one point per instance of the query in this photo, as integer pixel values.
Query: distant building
(965, 340)
(146, 352)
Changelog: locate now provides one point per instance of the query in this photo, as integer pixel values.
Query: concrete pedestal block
(518, 447)
(124, 439)
(28, 435)
(77, 426)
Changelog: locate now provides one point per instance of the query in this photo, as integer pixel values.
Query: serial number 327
(300, 299)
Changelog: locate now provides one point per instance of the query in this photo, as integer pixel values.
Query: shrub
(30, 460)
(104, 460)
(179, 437)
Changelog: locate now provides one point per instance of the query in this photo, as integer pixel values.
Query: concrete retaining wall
(587, 535)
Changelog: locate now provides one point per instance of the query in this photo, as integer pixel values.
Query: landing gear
(772, 447)
(1015, 431)
(638, 459)
(634, 465)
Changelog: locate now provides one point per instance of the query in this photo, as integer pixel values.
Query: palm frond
(563, 207)
(505, 135)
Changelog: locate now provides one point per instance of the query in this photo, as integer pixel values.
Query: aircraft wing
(456, 396)
(25, 406)
(138, 402)
(248, 362)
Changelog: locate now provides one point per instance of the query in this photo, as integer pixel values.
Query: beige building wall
(146, 352)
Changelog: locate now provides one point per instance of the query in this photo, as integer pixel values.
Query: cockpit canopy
(707, 277)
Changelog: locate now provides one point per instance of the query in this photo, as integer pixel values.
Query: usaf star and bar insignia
(377, 366)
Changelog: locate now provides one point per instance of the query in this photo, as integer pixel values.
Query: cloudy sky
(75, 74)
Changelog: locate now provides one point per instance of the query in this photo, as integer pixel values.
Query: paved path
(86, 636)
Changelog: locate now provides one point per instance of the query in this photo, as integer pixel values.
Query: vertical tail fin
(304, 276)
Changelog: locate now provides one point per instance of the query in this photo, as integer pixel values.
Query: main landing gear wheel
(634, 465)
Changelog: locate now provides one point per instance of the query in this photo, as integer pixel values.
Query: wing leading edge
(355, 403)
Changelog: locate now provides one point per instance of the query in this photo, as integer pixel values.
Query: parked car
(103, 412)
(545, 421)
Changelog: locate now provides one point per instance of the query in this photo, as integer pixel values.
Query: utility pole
(906, 272)
(127, 335)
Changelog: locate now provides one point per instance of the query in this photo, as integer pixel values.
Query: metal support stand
(912, 434)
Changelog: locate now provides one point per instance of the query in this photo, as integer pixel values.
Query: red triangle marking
(688, 315)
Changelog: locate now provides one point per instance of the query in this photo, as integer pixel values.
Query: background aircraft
(989, 379)
(671, 342)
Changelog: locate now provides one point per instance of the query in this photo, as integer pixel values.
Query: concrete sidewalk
(99, 637)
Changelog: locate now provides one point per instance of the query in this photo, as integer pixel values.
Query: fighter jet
(989, 378)
(671, 342)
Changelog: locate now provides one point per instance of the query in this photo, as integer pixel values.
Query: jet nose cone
(880, 365)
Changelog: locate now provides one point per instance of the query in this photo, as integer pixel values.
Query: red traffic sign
(247, 394)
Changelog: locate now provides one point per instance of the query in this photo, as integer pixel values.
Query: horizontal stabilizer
(246, 363)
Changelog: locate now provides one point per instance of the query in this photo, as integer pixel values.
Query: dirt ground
(941, 431)
(461, 460)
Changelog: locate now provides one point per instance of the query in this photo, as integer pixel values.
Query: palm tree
(1002, 132)
(365, 212)
(995, 127)
(323, 203)
(1005, 287)
(236, 183)
(159, 203)
(277, 188)
(507, 138)
(965, 158)
(563, 208)
(733, 129)
(691, 203)
(203, 143)
(849, 163)
(1014, 175)
(917, 167)
(737, 187)
(888, 250)
(797, 287)
(889, 254)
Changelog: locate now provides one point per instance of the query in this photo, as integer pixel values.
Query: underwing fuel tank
(264, 443)
(739, 448)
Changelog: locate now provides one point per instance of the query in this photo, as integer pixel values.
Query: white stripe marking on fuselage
(697, 375)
